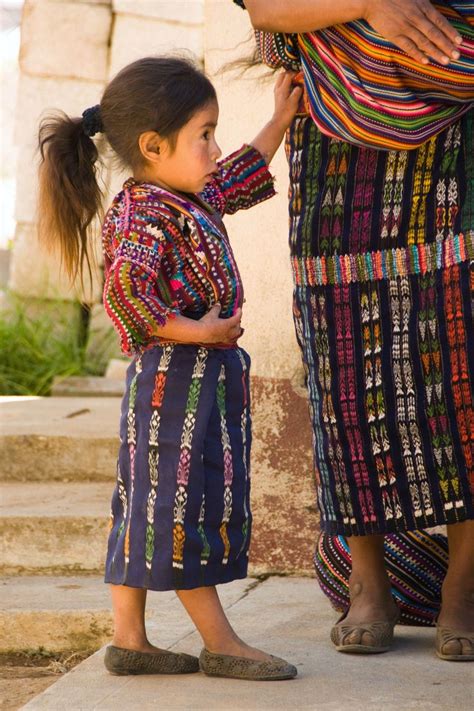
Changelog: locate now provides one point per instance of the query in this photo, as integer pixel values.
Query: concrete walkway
(289, 617)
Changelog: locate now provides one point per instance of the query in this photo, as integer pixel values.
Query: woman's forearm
(302, 15)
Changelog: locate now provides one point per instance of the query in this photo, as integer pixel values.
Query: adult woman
(387, 340)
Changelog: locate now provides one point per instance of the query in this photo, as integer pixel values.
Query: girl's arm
(414, 26)
(208, 329)
(287, 99)
(243, 179)
(137, 295)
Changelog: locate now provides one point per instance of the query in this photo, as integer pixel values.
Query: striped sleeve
(136, 293)
(242, 182)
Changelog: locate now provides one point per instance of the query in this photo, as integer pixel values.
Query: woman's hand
(220, 330)
(416, 27)
(287, 97)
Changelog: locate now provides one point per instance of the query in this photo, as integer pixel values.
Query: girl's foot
(121, 661)
(136, 645)
(238, 648)
(238, 667)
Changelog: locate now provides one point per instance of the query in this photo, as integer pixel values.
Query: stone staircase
(58, 461)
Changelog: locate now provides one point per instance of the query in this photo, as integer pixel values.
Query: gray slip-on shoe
(127, 661)
(273, 669)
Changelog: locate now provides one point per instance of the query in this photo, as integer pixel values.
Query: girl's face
(191, 163)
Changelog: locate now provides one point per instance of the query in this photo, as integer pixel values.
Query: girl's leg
(369, 587)
(457, 610)
(129, 619)
(205, 609)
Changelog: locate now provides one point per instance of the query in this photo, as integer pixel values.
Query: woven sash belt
(383, 264)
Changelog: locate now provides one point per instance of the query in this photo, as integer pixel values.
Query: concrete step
(291, 618)
(58, 439)
(54, 613)
(53, 527)
(87, 386)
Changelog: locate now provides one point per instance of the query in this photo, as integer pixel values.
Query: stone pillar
(63, 65)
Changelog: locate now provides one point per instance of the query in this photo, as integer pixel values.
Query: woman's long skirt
(382, 249)
(180, 514)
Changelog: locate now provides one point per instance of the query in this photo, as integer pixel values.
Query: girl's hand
(220, 330)
(287, 98)
(416, 27)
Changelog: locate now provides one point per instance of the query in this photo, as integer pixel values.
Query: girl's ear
(151, 145)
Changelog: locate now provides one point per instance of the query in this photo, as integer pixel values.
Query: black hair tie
(92, 121)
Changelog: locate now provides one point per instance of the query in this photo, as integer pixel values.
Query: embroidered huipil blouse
(167, 254)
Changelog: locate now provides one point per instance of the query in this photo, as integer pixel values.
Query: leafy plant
(39, 344)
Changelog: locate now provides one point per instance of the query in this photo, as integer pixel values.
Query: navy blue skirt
(180, 515)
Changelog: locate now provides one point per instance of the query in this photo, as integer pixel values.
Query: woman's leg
(129, 619)
(205, 609)
(369, 587)
(457, 610)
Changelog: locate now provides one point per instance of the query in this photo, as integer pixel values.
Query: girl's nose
(216, 151)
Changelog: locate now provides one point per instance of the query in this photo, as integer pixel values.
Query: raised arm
(302, 15)
(414, 26)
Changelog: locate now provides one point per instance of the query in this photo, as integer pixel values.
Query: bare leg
(129, 619)
(369, 586)
(457, 610)
(205, 609)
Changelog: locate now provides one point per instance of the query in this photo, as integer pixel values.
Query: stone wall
(68, 52)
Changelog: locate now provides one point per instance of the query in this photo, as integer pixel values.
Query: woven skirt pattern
(382, 248)
(180, 515)
(416, 564)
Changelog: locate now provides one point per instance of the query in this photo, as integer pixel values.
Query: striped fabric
(362, 89)
(166, 254)
(416, 564)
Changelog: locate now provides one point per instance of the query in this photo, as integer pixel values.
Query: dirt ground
(25, 675)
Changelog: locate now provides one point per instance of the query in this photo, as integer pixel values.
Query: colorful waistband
(383, 264)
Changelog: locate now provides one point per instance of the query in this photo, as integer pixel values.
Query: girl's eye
(206, 135)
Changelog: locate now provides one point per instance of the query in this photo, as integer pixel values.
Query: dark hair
(152, 94)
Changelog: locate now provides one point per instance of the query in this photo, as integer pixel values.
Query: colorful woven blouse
(362, 89)
(168, 254)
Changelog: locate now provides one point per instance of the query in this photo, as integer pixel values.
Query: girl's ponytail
(69, 193)
(151, 94)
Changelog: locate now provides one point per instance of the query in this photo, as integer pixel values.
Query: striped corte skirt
(382, 249)
(180, 514)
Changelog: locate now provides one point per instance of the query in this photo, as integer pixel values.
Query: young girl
(180, 512)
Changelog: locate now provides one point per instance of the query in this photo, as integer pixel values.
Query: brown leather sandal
(446, 634)
(382, 634)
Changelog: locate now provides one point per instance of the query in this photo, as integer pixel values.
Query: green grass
(34, 349)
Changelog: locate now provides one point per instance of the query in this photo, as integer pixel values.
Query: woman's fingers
(443, 25)
(433, 42)
(416, 27)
